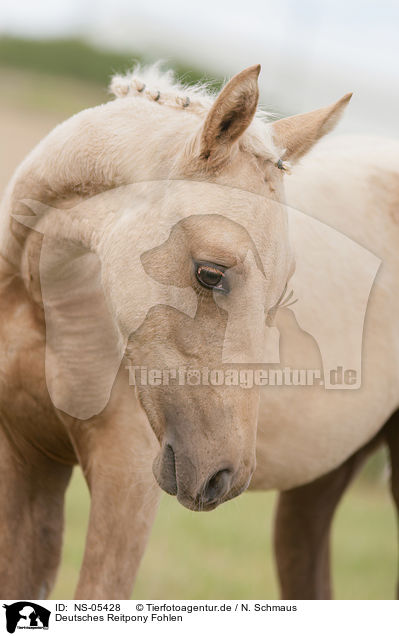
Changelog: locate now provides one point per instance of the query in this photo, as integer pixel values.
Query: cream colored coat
(351, 185)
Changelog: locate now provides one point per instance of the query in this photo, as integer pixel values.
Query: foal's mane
(150, 82)
(161, 86)
(92, 151)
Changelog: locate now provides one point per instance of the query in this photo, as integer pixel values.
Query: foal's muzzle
(210, 492)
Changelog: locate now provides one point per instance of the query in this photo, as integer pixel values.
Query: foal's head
(225, 244)
(191, 261)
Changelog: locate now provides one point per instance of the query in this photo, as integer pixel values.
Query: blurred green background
(227, 553)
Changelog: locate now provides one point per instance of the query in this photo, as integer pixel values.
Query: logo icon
(26, 615)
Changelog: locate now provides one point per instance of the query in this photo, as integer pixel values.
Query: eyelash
(212, 268)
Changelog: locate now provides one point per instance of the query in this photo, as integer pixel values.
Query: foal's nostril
(216, 486)
(166, 472)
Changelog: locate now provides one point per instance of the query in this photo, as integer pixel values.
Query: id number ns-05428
(97, 607)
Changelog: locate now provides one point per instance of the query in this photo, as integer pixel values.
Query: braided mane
(151, 83)
(155, 85)
(93, 150)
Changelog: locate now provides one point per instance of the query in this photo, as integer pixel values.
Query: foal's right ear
(230, 115)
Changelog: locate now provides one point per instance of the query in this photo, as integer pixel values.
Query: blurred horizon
(311, 54)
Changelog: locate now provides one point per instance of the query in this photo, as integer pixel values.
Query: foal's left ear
(295, 135)
(230, 115)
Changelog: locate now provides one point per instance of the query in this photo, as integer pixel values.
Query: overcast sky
(311, 52)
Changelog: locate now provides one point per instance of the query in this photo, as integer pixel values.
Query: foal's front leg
(302, 530)
(115, 451)
(32, 487)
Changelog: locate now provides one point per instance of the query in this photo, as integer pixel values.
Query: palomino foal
(152, 231)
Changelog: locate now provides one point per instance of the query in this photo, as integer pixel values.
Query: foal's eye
(212, 276)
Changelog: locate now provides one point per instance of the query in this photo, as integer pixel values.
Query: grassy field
(226, 553)
(77, 59)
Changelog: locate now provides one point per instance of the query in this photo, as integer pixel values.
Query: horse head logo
(26, 615)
